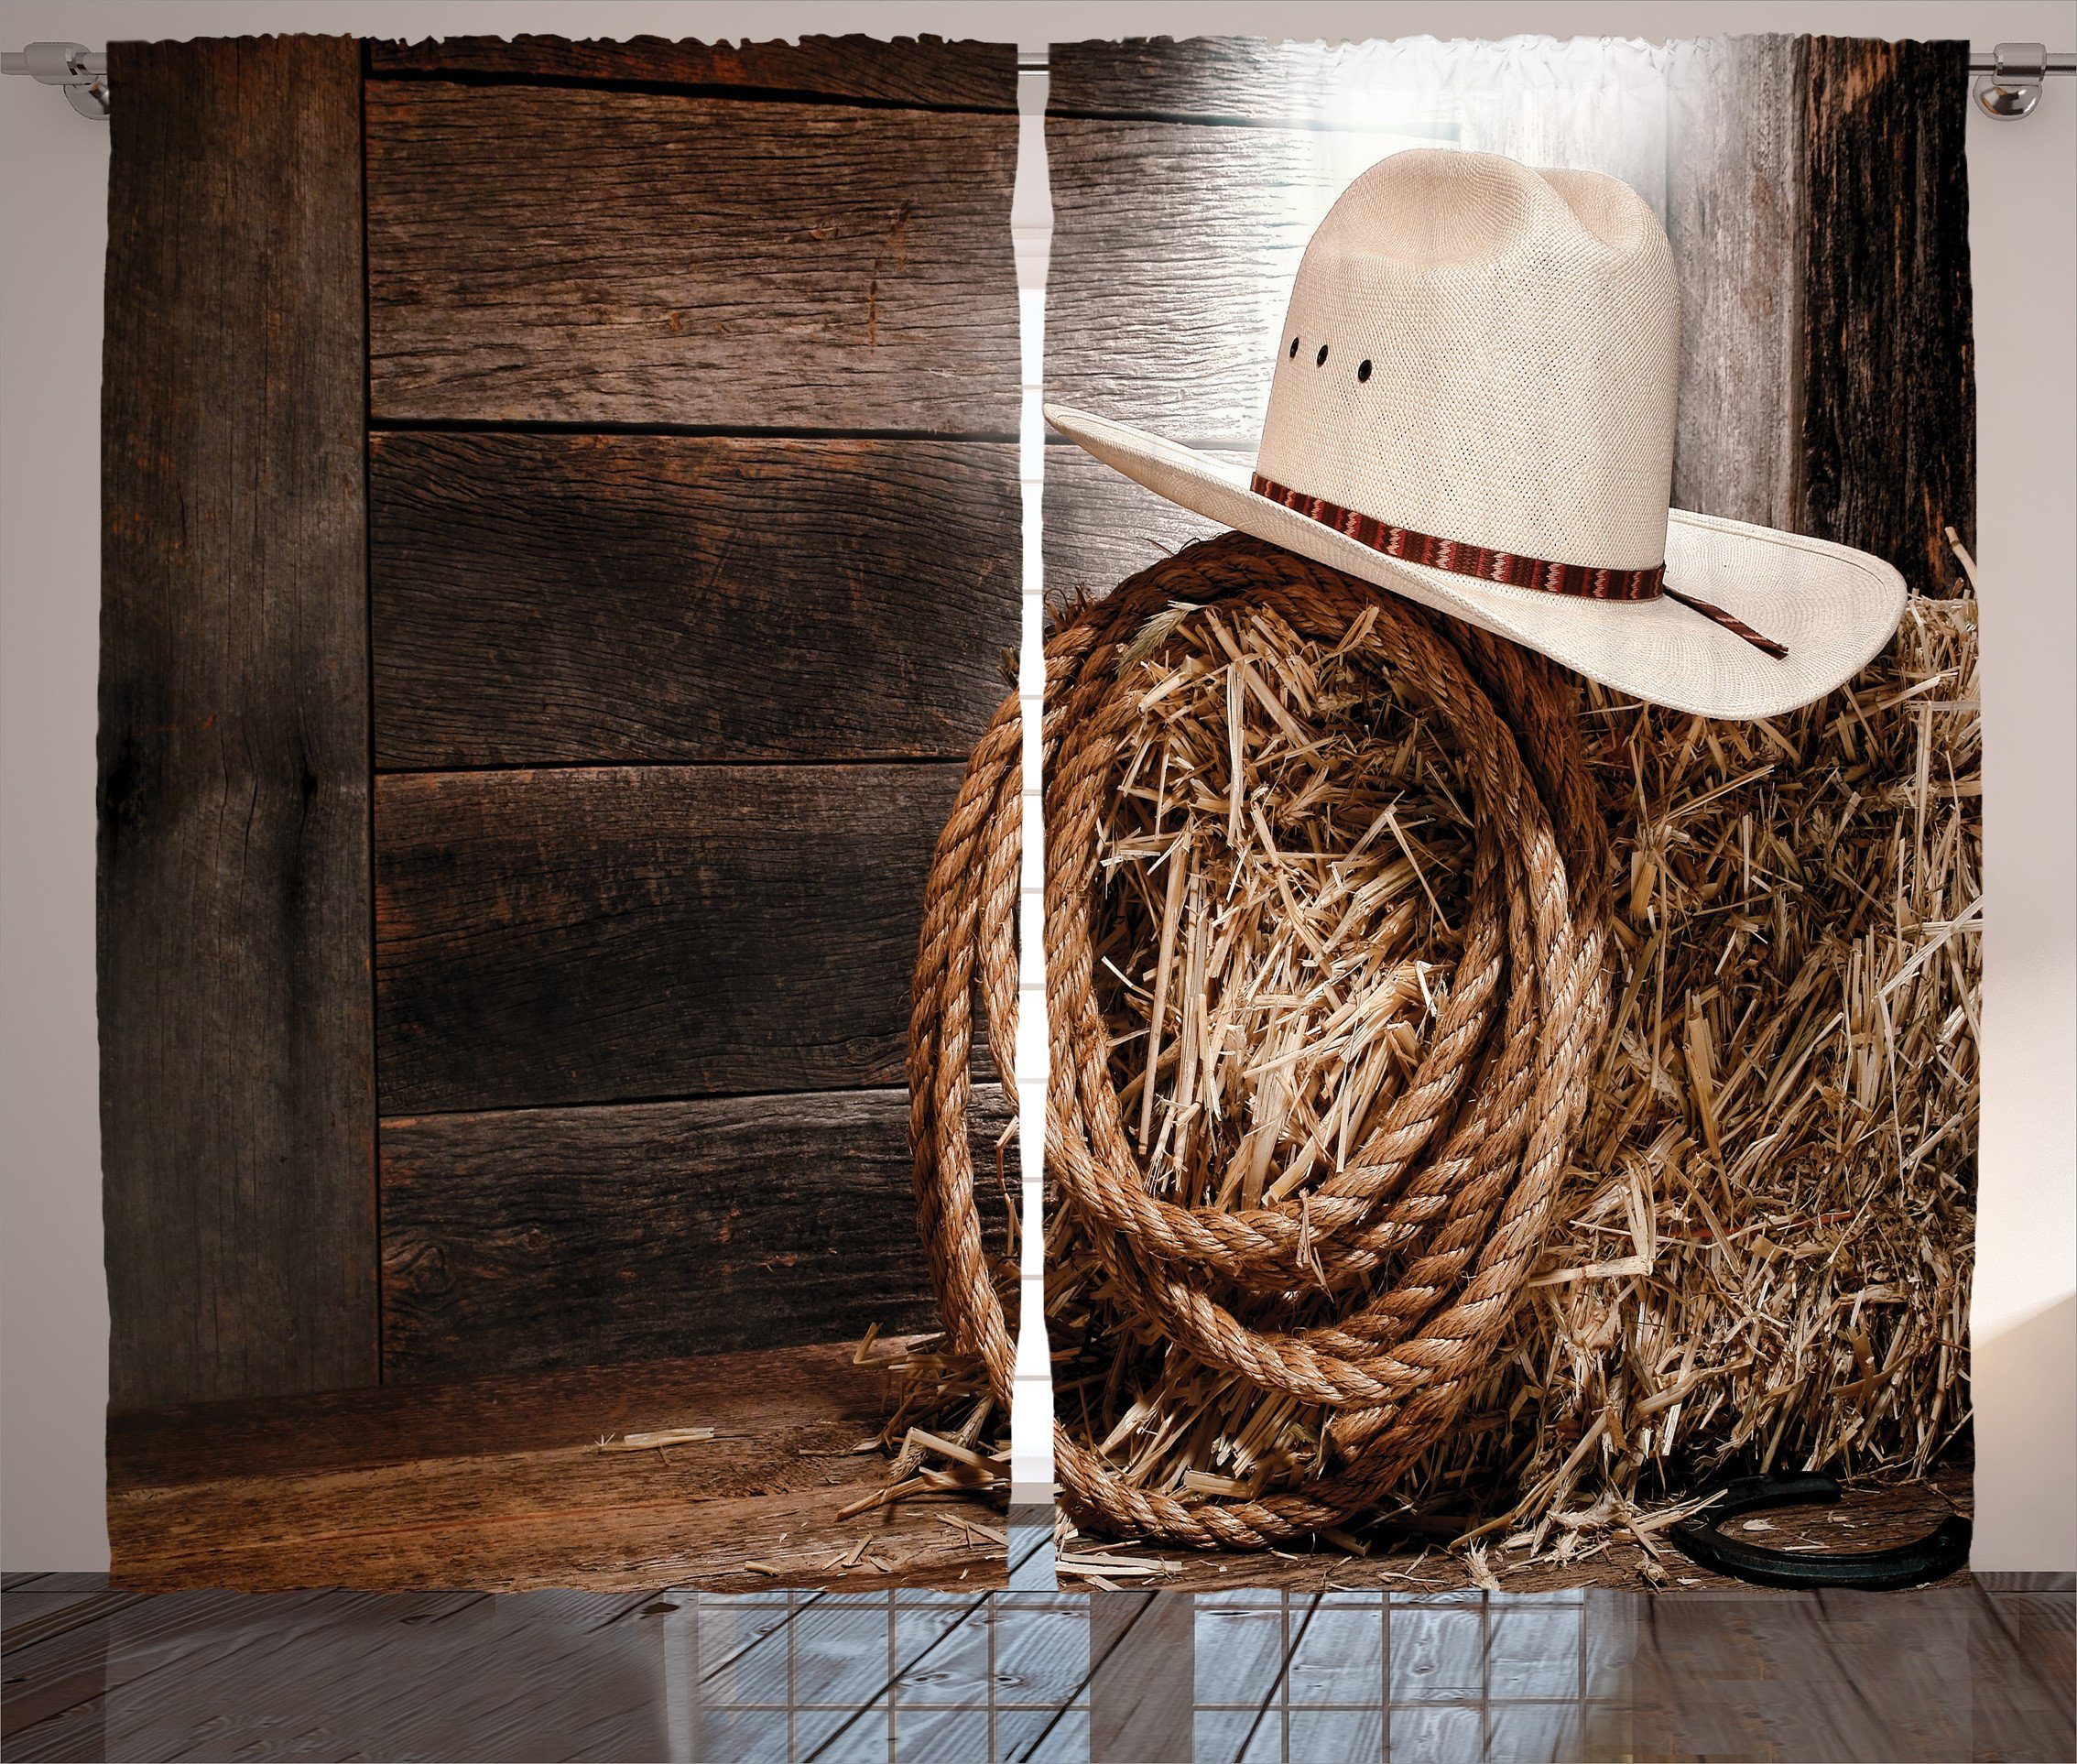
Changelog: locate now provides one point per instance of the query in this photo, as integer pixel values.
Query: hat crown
(1488, 353)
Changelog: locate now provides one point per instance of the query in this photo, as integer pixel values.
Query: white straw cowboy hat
(1473, 406)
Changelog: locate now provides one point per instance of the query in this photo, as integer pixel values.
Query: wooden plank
(536, 1238)
(1143, 1677)
(561, 599)
(1182, 338)
(922, 71)
(1101, 527)
(1735, 216)
(223, 1673)
(498, 1485)
(505, 1412)
(634, 934)
(237, 1084)
(1231, 80)
(1889, 410)
(546, 1674)
(579, 255)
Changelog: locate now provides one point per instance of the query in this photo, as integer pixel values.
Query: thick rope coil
(1427, 1236)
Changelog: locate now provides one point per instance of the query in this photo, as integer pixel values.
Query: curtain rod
(2008, 79)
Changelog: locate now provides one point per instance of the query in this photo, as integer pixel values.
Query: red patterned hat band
(1509, 569)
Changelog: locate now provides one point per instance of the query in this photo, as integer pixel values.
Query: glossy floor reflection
(1953, 1672)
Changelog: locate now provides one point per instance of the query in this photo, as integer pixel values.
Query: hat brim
(1830, 607)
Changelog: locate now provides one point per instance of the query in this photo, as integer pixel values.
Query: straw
(1761, 1258)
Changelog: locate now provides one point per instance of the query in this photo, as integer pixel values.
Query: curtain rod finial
(81, 72)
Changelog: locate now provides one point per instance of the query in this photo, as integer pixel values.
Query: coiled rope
(1424, 1240)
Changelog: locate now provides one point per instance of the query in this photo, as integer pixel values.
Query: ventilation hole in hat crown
(1294, 349)
(1321, 359)
(1363, 372)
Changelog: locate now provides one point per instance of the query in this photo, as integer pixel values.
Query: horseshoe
(1934, 1556)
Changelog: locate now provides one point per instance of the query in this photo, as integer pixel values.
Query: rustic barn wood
(583, 256)
(237, 1090)
(568, 599)
(1734, 214)
(497, 1484)
(1101, 527)
(924, 73)
(1182, 338)
(1239, 80)
(540, 1237)
(1890, 412)
(625, 935)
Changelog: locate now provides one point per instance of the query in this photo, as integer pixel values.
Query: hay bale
(1763, 1256)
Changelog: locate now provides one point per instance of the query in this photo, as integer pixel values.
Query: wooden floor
(713, 1605)
(498, 1485)
(907, 1676)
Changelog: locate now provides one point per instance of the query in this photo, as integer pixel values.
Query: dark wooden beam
(237, 1085)
(1889, 388)
(517, 1241)
(925, 71)
(631, 934)
(570, 599)
(580, 256)
(497, 1484)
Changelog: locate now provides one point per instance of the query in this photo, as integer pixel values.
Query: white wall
(53, 171)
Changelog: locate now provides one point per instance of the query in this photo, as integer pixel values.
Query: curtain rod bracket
(81, 72)
(2012, 74)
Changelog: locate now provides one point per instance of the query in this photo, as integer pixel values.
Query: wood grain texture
(1101, 527)
(921, 72)
(1368, 99)
(560, 599)
(579, 255)
(1735, 216)
(1142, 1687)
(635, 1675)
(1889, 375)
(410, 1675)
(534, 1238)
(497, 1484)
(237, 1097)
(634, 934)
(1182, 338)
(1233, 79)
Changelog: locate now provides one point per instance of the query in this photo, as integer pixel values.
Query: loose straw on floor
(1380, 1291)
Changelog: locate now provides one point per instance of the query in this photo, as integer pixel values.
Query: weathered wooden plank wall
(540, 1237)
(1825, 376)
(1733, 215)
(601, 935)
(667, 721)
(1889, 381)
(237, 1085)
(570, 599)
(917, 73)
(567, 254)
